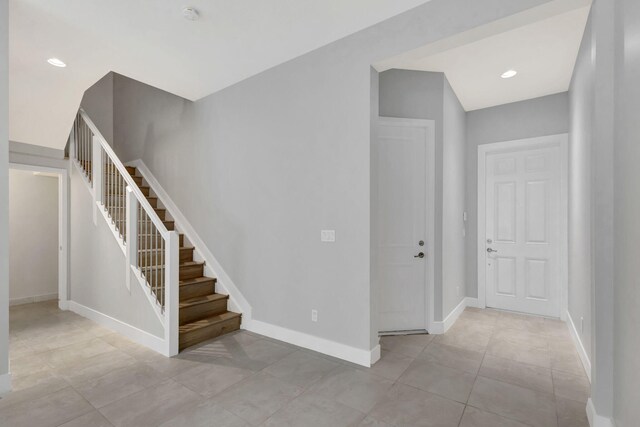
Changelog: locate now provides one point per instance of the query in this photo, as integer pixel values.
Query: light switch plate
(327, 235)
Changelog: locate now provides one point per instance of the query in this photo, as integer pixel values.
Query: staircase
(183, 297)
(202, 312)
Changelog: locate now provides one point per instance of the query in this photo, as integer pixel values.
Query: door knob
(420, 255)
(491, 250)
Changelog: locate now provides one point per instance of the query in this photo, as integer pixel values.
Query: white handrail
(126, 176)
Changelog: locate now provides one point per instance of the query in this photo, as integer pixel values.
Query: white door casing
(404, 205)
(522, 226)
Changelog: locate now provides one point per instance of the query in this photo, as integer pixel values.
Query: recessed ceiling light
(508, 74)
(190, 13)
(56, 62)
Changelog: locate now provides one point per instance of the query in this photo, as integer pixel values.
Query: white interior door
(402, 225)
(523, 230)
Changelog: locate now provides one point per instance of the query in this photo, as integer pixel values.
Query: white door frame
(63, 226)
(429, 126)
(561, 141)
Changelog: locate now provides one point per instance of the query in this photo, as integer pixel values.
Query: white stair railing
(152, 251)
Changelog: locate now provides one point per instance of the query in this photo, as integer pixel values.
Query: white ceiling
(148, 40)
(543, 52)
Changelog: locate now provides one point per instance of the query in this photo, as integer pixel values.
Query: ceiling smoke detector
(190, 13)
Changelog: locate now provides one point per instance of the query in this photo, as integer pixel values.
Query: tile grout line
(484, 354)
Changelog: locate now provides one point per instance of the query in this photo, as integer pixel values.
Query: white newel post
(171, 294)
(132, 234)
(96, 163)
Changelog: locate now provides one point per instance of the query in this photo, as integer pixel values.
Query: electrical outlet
(327, 235)
(314, 315)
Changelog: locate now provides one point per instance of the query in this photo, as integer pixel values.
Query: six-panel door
(523, 231)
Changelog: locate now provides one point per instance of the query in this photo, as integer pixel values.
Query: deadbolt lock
(421, 243)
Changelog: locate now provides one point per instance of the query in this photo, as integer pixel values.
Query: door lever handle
(420, 255)
(491, 250)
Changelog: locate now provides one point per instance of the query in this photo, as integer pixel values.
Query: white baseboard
(375, 354)
(596, 420)
(440, 327)
(35, 298)
(582, 352)
(5, 384)
(224, 285)
(311, 342)
(134, 334)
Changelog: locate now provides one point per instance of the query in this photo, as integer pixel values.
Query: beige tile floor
(491, 369)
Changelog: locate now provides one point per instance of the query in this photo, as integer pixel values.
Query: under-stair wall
(98, 274)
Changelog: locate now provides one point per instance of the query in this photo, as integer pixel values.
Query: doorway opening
(38, 266)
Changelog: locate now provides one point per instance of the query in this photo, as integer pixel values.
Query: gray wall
(37, 155)
(97, 101)
(591, 204)
(627, 228)
(4, 191)
(260, 167)
(427, 95)
(453, 200)
(143, 114)
(33, 236)
(602, 205)
(548, 115)
(373, 194)
(581, 100)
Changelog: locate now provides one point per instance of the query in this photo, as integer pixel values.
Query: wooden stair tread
(199, 324)
(183, 264)
(190, 263)
(196, 281)
(202, 300)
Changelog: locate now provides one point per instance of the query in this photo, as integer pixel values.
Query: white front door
(523, 230)
(402, 225)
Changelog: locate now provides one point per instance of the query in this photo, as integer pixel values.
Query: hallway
(490, 369)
